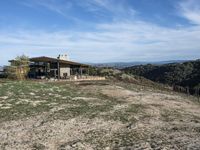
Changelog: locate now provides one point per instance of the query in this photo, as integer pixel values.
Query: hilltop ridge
(121, 65)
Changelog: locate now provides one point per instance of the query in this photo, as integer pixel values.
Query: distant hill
(185, 74)
(121, 65)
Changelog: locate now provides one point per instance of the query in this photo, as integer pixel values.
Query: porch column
(88, 71)
(45, 68)
(81, 71)
(54, 73)
(58, 66)
(71, 71)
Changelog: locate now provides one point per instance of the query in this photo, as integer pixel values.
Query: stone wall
(82, 78)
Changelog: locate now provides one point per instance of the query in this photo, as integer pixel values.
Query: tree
(19, 68)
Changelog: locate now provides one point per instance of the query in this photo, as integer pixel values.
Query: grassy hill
(110, 114)
(185, 74)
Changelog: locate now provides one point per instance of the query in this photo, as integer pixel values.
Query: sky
(100, 30)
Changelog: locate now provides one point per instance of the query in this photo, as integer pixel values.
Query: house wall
(64, 71)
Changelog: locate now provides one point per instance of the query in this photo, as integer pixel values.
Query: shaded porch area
(46, 67)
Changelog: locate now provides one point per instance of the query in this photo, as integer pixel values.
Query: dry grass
(95, 115)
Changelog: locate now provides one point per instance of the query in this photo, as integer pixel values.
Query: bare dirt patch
(22, 134)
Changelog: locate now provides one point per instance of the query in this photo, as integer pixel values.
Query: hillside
(95, 115)
(185, 74)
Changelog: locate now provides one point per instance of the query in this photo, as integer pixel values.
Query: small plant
(38, 146)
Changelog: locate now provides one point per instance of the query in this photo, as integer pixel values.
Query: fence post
(188, 91)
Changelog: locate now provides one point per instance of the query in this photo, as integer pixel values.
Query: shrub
(19, 68)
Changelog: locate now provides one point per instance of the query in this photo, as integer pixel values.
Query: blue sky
(100, 30)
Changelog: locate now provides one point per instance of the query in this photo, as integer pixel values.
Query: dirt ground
(96, 115)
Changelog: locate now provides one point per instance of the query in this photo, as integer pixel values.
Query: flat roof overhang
(54, 60)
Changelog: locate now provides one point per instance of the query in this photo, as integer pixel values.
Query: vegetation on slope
(185, 74)
(118, 75)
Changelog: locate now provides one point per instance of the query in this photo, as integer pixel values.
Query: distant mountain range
(121, 65)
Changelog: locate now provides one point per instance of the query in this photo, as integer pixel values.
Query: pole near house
(88, 71)
(81, 69)
(54, 73)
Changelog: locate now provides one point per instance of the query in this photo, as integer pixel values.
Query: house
(60, 67)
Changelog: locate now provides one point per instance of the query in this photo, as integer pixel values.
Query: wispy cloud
(119, 39)
(190, 9)
(58, 6)
(61, 7)
(115, 7)
(126, 41)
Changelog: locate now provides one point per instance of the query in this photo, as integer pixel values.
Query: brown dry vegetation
(96, 115)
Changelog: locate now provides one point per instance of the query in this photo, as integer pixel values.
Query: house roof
(49, 59)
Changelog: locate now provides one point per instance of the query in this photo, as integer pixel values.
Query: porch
(46, 67)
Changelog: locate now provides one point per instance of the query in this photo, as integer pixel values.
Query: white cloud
(128, 41)
(117, 40)
(190, 9)
(99, 8)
